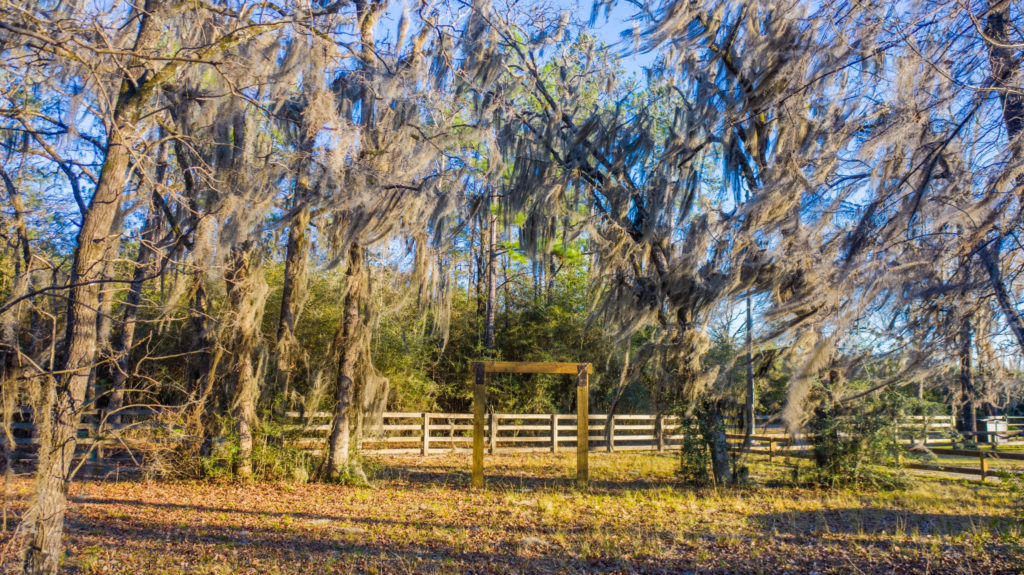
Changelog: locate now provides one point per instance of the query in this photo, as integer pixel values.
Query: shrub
(858, 445)
(275, 461)
(195, 457)
(694, 459)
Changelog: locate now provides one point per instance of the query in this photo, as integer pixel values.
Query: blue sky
(610, 28)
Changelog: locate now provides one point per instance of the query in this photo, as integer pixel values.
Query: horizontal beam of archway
(533, 367)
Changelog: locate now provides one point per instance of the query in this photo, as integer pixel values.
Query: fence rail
(432, 433)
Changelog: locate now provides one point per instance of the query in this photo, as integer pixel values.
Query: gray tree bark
(338, 449)
(293, 295)
(969, 417)
(125, 342)
(247, 295)
(718, 443)
(1005, 70)
(990, 259)
(58, 429)
(748, 404)
(492, 273)
(294, 287)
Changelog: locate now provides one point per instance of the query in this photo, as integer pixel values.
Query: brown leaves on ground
(421, 517)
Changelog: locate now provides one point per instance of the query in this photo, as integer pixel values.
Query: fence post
(984, 465)
(659, 432)
(426, 433)
(451, 434)
(493, 440)
(610, 433)
(479, 399)
(554, 433)
(582, 425)
(100, 454)
(771, 450)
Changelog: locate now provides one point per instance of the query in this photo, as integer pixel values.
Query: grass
(420, 516)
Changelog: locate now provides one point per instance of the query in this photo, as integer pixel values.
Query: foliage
(216, 460)
(694, 461)
(859, 445)
(273, 461)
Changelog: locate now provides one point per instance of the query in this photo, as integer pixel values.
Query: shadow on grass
(872, 521)
(503, 478)
(301, 515)
(333, 545)
(331, 548)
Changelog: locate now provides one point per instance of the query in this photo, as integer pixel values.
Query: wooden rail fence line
(428, 432)
(431, 433)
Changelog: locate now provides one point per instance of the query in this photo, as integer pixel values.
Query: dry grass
(420, 516)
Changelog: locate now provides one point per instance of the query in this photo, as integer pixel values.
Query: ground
(420, 516)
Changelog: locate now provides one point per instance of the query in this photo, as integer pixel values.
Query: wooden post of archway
(582, 372)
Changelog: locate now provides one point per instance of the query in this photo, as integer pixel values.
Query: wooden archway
(582, 371)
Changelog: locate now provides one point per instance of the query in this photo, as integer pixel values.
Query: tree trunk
(294, 287)
(990, 259)
(11, 320)
(623, 381)
(477, 247)
(1004, 67)
(348, 352)
(10, 346)
(293, 295)
(47, 512)
(718, 444)
(45, 517)
(476, 254)
(247, 294)
(968, 418)
(122, 353)
(200, 366)
(104, 320)
(748, 405)
(492, 273)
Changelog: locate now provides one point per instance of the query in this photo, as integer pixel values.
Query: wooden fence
(1016, 424)
(439, 433)
(434, 433)
(132, 426)
(428, 433)
(983, 457)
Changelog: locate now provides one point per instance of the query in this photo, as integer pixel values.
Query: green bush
(694, 459)
(216, 459)
(858, 445)
(272, 460)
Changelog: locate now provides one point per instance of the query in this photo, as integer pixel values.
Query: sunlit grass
(421, 515)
